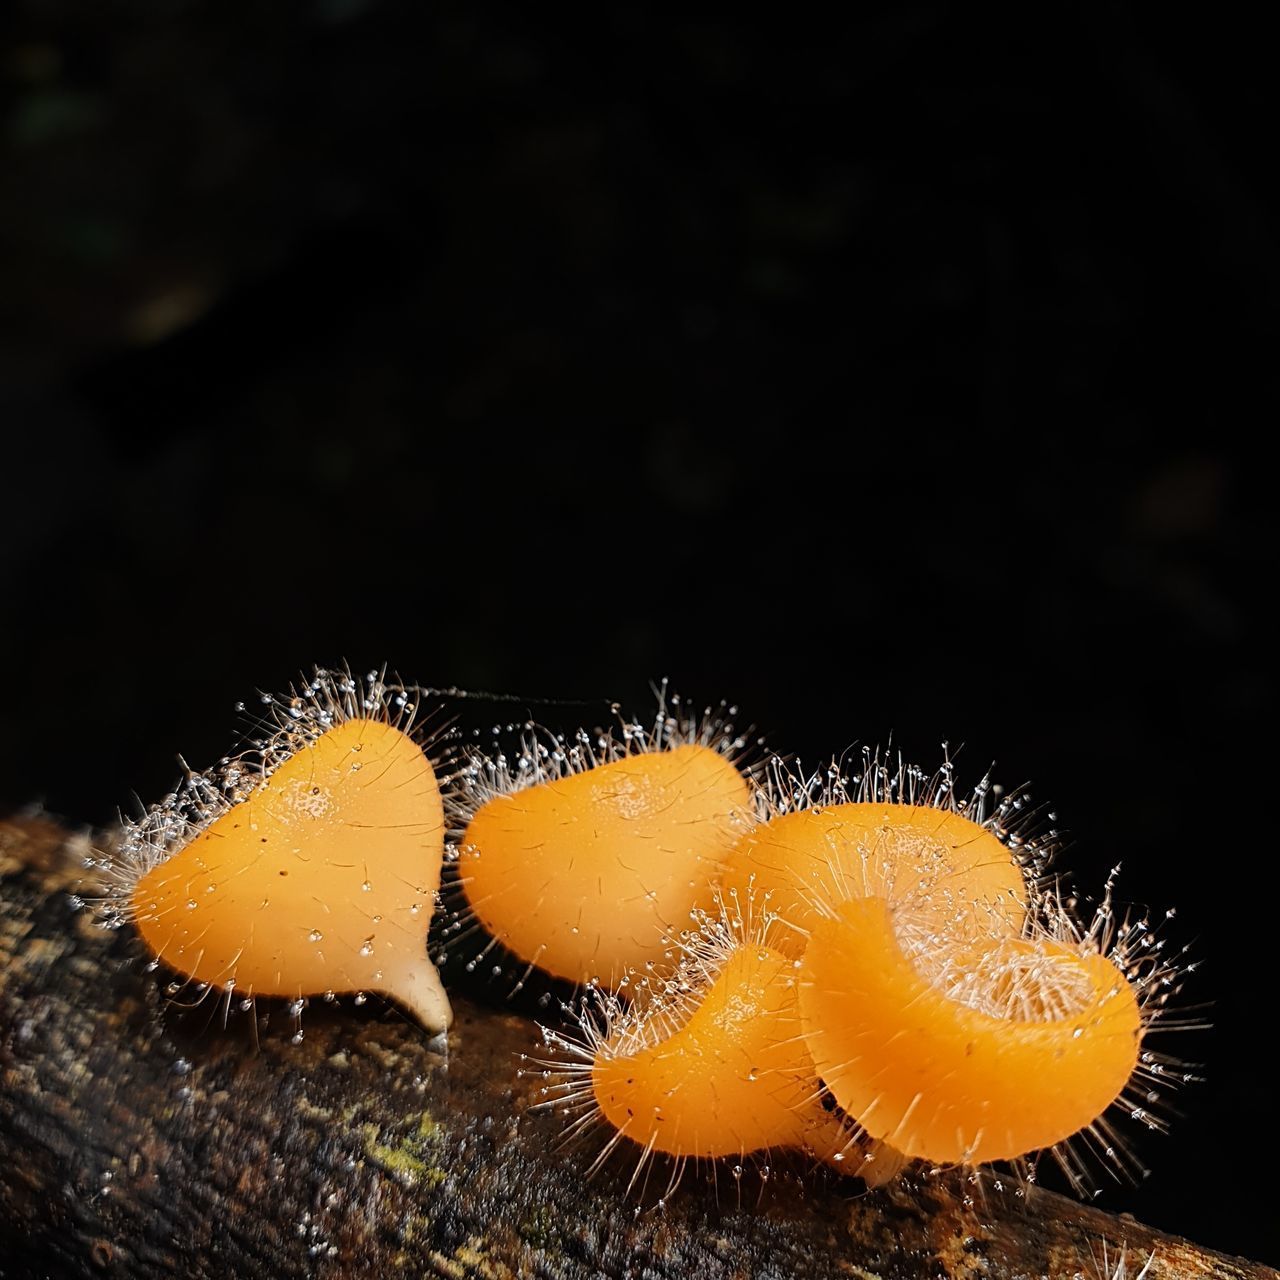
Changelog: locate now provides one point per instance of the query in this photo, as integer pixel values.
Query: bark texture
(139, 1141)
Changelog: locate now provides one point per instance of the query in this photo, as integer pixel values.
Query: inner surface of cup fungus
(956, 1052)
(584, 857)
(309, 866)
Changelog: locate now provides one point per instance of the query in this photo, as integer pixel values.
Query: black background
(909, 374)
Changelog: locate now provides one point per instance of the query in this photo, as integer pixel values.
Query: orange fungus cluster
(874, 969)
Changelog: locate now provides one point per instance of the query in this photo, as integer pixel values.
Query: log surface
(139, 1141)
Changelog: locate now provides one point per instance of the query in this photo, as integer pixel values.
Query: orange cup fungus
(954, 869)
(713, 1063)
(964, 1058)
(314, 873)
(584, 862)
(731, 1077)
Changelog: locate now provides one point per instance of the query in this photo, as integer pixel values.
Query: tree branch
(139, 1141)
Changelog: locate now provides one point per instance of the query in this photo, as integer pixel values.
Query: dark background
(909, 375)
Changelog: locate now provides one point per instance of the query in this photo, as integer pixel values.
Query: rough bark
(138, 1141)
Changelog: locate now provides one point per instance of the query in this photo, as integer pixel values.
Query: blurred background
(909, 375)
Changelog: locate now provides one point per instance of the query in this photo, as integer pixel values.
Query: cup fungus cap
(320, 879)
(587, 874)
(953, 869)
(1034, 1050)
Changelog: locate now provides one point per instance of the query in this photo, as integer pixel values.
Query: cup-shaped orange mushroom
(987, 1054)
(320, 878)
(955, 870)
(733, 1078)
(587, 874)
